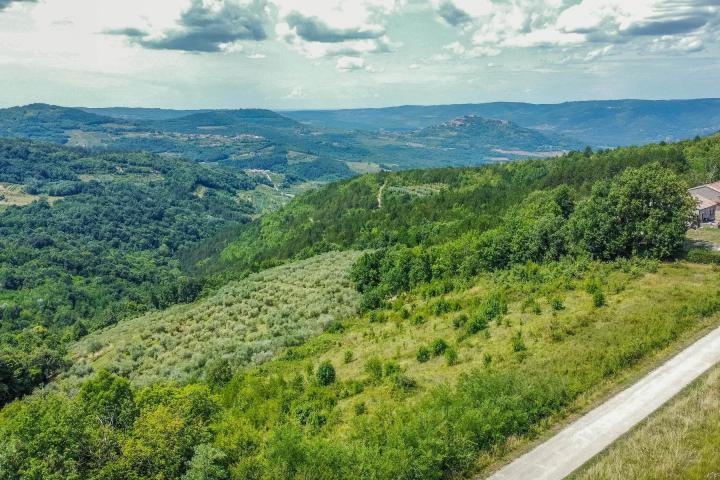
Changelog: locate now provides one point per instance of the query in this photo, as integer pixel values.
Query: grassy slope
(245, 321)
(590, 349)
(680, 441)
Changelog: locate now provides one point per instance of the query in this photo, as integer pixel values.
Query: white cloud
(350, 63)
(257, 56)
(669, 44)
(295, 93)
(598, 53)
(457, 49)
(551, 23)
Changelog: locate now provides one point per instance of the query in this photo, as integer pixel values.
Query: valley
(299, 156)
(359, 240)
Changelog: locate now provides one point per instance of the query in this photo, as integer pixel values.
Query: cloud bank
(206, 27)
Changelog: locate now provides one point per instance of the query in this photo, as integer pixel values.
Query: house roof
(715, 186)
(703, 202)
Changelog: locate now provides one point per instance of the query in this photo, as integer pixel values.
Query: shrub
(349, 356)
(518, 344)
(377, 317)
(438, 347)
(371, 300)
(325, 373)
(703, 256)
(443, 306)
(451, 356)
(557, 304)
(556, 333)
(360, 408)
(218, 372)
(404, 383)
(598, 298)
(423, 354)
(492, 308)
(351, 388)
(459, 321)
(391, 368)
(374, 369)
(94, 346)
(335, 326)
(479, 322)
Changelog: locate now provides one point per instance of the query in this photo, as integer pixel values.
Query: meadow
(453, 377)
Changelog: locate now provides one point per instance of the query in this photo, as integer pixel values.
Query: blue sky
(353, 53)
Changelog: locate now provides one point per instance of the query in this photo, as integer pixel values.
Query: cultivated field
(245, 322)
(12, 194)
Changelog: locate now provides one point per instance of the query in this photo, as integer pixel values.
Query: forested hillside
(245, 139)
(87, 240)
(496, 301)
(430, 207)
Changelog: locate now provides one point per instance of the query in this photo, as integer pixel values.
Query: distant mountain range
(255, 139)
(597, 123)
(327, 145)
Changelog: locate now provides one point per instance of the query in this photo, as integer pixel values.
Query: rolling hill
(494, 303)
(245, 139)
(596, 123)
(261, 140)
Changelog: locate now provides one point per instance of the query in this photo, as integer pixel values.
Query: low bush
(423, 354)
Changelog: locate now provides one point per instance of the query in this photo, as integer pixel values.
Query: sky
(297, 54)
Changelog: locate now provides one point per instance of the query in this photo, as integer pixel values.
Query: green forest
(445, 313)
(99, 243)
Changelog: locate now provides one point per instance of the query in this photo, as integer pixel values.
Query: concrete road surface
(589, 435)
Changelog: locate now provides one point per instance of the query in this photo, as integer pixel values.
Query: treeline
(643, 212)
(347, 215)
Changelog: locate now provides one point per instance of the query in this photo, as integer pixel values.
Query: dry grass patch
(13, 194)
(679, 441)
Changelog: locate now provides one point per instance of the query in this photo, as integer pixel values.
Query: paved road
(589, 435)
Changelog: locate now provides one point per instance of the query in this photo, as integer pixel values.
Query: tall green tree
(645, 211)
